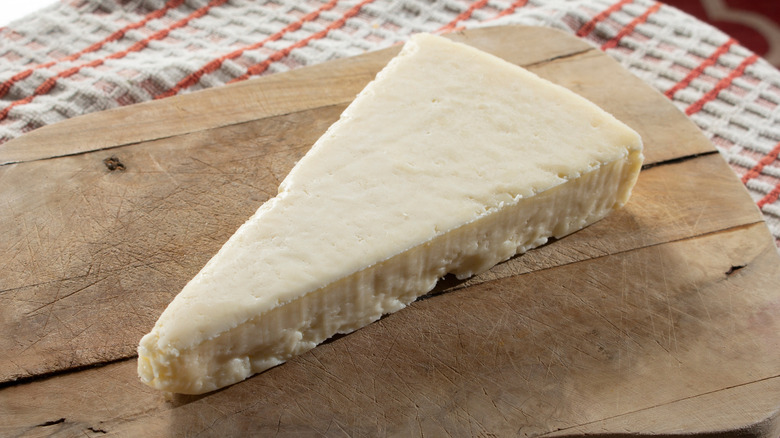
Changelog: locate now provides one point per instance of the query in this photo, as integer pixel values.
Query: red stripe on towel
(462, 16)
(770, 197)
(49, 83)
(722, 84)
(765, 160)
(214, 65)
(6, 86)
(631, 26)
(279, 54)
(588, 27)
(695, 73)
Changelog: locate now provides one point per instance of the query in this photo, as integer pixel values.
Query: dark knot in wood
(113, 163)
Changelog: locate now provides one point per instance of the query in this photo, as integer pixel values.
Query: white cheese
(450, 161)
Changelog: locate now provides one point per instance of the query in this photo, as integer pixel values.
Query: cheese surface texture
(450, 161)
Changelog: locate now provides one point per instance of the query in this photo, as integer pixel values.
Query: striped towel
(80, 56)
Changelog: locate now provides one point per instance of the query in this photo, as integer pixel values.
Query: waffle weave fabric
(81, 56)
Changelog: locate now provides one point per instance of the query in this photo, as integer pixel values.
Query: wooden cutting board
(662, 319)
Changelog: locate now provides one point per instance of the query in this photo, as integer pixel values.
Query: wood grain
(660, 337)
(660, 319)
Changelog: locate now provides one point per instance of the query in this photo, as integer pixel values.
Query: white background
(11, 10)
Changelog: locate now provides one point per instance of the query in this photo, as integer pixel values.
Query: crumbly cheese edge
(357, 300)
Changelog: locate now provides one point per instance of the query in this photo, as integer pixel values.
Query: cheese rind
(450, 161)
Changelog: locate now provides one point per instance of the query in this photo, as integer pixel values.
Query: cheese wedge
(450, 161)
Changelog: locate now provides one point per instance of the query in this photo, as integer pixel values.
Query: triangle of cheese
(450, 161)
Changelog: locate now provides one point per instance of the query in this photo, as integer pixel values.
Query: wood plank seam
(165, 137)
(760, 425)
(732, 270)
(678, 159)
(75, 154)
(61, 372)
(558, 58)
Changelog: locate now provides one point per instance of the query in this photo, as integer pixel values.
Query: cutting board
(662, 319)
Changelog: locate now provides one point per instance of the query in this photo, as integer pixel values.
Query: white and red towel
(80, 56)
